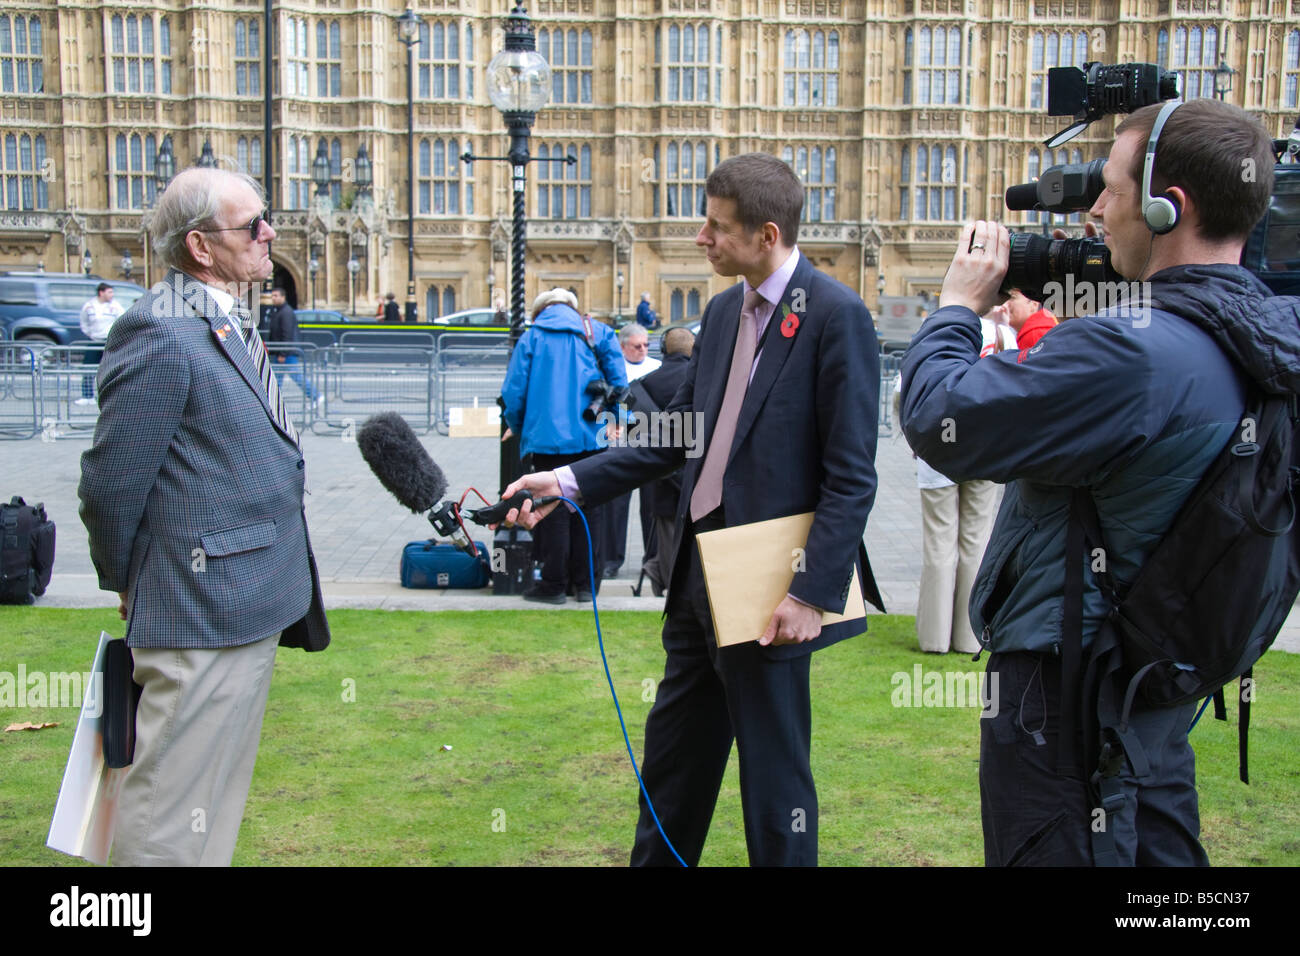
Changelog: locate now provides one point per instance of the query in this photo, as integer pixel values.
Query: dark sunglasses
(253, 227)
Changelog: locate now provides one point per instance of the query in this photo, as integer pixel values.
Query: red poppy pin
(223, 332)
(789, 324)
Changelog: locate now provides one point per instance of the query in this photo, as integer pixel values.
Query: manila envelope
(748, 570)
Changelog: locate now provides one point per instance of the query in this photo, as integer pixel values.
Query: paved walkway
(358, 529)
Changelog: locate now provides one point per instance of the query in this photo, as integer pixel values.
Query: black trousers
(561, 540)
(708, 697)
(1034, 815)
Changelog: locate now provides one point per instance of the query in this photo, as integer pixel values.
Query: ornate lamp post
(492, 285)
(363, 171)
(206, 159)
(86, 261)
(353, 268)
(313, 269)
(619, 322)
(1223, 80)
(408, 28)
(519, 84)
(127, 266)
(320, 171)
(164, 168)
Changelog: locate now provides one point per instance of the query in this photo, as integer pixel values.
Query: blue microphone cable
(591, 565)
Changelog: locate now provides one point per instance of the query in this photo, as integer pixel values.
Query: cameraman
(1132, 404)
(547, 386)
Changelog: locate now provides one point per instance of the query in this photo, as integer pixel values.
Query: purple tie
(708, 489)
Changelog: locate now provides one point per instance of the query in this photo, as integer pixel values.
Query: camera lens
(1037, 262)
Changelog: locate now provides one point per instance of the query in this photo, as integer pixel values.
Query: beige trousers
(955, 525)
(197, 730)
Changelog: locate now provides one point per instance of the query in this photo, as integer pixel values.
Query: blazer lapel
(222, 329)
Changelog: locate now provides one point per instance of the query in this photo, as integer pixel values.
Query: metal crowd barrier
(67, 407)
(19, 391)
(299, 379)
(361, 380)
(890, 363)
(469, 377)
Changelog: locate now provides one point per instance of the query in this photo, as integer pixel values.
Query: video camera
(1087, 93)
(604, 397)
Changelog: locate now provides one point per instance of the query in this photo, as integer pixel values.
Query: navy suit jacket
(805, 440)
(191, 493)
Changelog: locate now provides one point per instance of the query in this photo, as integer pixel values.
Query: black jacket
(283, 324)
(660, 385)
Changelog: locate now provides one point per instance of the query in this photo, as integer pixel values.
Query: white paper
(86, 811)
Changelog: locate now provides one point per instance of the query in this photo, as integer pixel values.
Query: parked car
(319, 316)
(477, 318)
(45, 307)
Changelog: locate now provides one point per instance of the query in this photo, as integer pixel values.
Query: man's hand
(279, 358)
(507, 435)
(121, 606)
(792, 623)
(978, 267)
(539, 483)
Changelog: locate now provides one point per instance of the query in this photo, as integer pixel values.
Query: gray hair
(631, 331)
(553, 296)
(192, 201)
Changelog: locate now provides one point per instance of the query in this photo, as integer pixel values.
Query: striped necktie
(262, 362)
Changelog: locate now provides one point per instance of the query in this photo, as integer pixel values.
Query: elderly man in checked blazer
(192, 494)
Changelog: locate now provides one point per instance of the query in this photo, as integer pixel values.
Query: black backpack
(26, 551)
(1206, 605)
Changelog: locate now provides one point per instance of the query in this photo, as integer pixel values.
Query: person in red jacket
(1028, 317)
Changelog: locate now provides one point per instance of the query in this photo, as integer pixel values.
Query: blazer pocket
(219, 544)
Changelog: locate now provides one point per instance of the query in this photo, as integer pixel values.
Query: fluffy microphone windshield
(400, 462)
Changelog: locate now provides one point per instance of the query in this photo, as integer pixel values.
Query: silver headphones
(1160, 213)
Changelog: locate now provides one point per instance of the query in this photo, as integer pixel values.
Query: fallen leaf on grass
(29, 726)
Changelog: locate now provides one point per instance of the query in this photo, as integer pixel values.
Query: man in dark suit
(192, 494)
(659, 499)
(284, 329)
(784, 383)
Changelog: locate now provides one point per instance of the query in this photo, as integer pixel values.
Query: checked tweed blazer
(191, 494)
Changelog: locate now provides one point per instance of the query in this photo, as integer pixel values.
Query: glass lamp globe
(519, 81)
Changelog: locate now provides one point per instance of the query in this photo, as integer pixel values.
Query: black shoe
(544, 595)
(611, 570)
(582, 597)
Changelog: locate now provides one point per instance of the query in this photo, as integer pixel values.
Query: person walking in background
(283, 329)
(392, 311)
(547, 386)
(646, 317)
(97, 317)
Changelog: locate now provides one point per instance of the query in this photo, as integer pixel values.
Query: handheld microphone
(400, 462)
(402, 465)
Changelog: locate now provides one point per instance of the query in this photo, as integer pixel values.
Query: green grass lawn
(537, 773)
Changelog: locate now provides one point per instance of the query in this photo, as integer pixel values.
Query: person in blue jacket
(546, 389)
(1132, 403)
